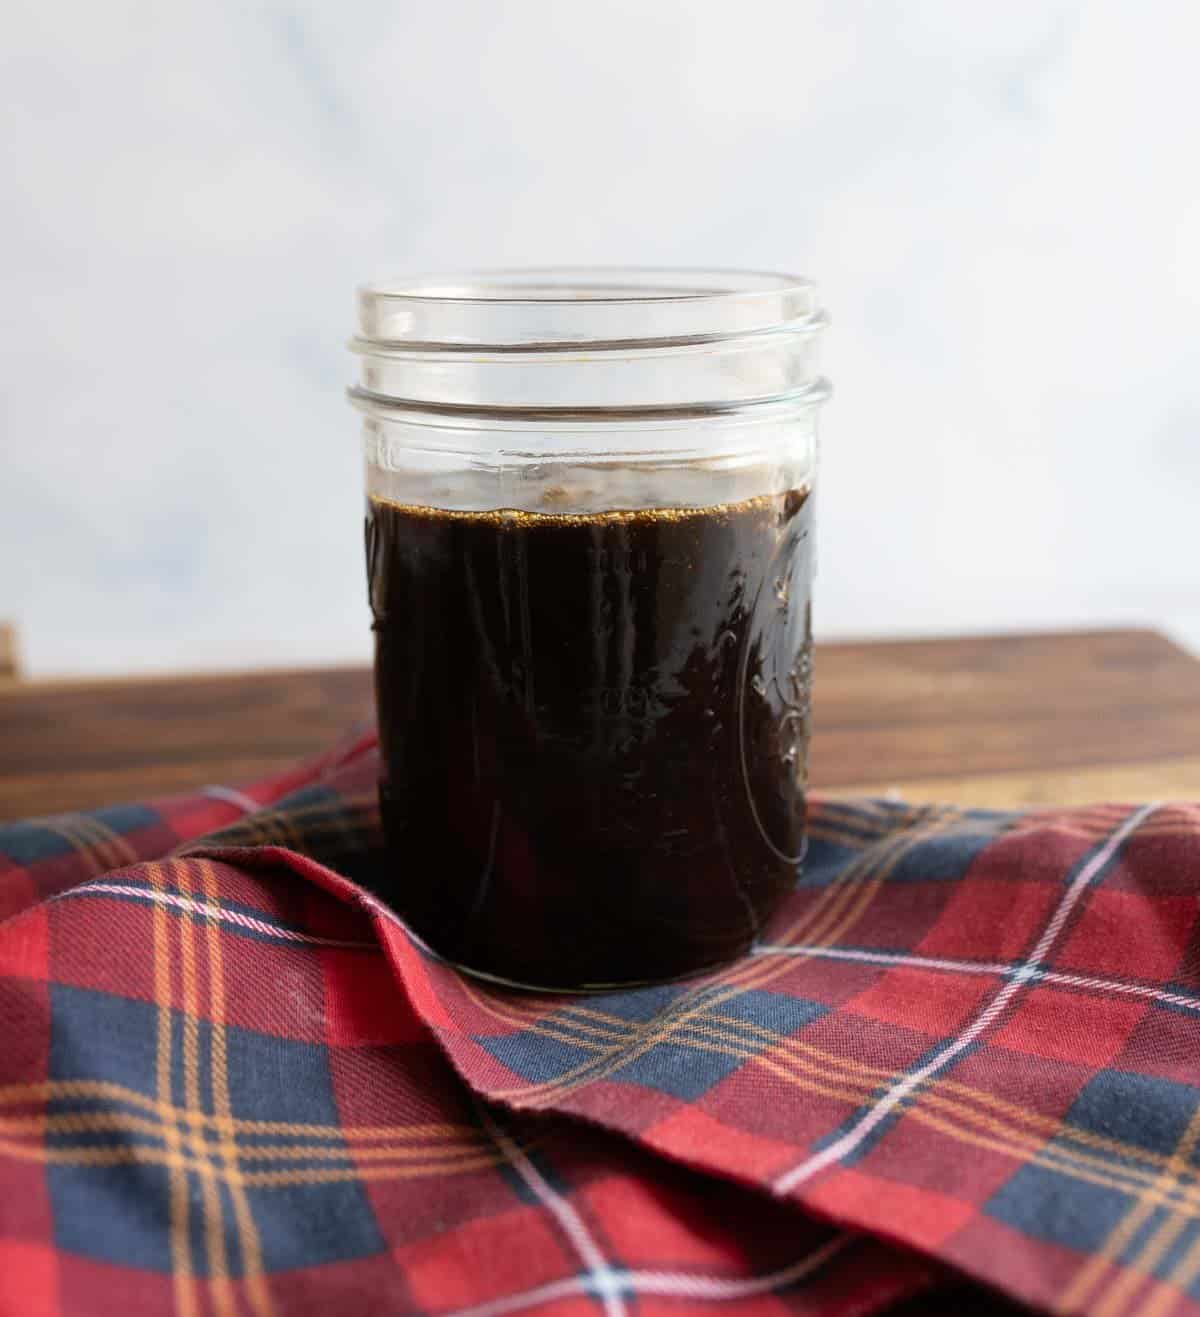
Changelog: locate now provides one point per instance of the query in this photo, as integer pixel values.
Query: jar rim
(573, 284)
(584, 305)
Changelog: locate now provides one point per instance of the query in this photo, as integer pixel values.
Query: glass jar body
(593, 673)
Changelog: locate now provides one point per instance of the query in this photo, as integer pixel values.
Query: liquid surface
(594, 731)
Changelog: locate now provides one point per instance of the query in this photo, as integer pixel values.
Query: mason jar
(589, 536)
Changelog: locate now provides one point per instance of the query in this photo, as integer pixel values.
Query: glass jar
(590, 552)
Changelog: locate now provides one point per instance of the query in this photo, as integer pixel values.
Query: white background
(1001, 203)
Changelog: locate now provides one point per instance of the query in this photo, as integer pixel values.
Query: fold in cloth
(963, 1074)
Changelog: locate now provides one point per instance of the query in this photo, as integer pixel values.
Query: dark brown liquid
(594, 731)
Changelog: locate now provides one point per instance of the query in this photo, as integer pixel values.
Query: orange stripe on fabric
(214, 1215)
(181, 1263)
(248, 1241)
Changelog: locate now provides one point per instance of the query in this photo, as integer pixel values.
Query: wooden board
(9, 667)
(73, 745)
(1063, 718)
(1025, 719)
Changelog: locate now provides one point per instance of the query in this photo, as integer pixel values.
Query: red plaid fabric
(230, 1081)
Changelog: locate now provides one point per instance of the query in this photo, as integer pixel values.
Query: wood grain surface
(9, 668)
(997, 720)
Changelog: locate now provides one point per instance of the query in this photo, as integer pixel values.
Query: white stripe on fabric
(601, 1281)
(840, 1147)
(232, 796)
(236, 917)
(720, 1289)
(667, 1284)
(905, 960)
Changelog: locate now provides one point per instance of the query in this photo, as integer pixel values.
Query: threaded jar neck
(603, 343)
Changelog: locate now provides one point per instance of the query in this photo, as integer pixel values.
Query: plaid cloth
(231, 1082)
